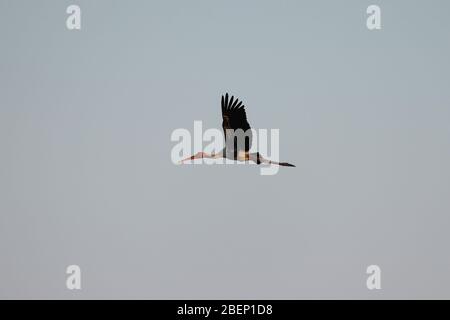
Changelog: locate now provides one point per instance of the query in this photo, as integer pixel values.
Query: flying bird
(238, 136)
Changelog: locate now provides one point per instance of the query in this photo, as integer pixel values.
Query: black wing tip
(225, 97)
(231, 103)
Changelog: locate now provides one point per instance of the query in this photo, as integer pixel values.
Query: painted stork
(236, 129)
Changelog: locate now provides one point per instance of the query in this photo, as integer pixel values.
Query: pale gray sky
(86, 176)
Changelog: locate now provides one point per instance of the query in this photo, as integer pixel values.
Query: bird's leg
(284, 164)
(258, 158)
(198, 155)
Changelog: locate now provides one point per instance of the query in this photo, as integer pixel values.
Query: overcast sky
(86, 176)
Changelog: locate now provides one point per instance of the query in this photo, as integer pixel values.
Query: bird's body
(238, 135)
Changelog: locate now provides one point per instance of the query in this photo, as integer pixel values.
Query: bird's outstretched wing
(234, 118)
